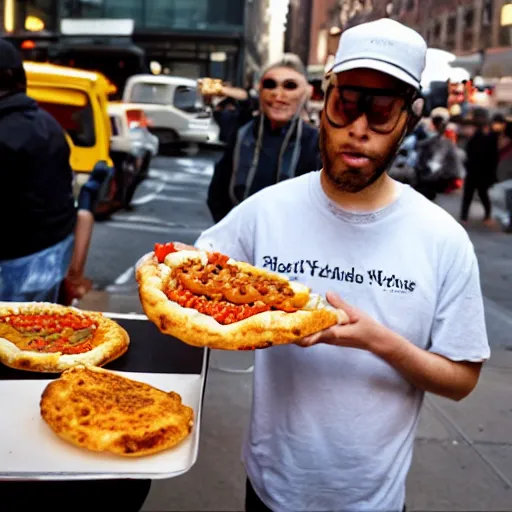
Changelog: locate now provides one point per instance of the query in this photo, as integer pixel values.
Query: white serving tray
(30, 450)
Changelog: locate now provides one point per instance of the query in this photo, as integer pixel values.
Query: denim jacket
(36, 277)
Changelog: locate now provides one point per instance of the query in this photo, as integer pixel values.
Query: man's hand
(360, 332)
(423, 369)
(74, 287)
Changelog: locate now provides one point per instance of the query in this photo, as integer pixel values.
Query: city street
(463, 457)
(169, 205)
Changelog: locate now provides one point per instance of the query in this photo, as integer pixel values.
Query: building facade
(329, 18)
(257, 36)
(472, 29)
(192, 38)
(324, 18)
(298, 28)
(459, 26)
(354, 12)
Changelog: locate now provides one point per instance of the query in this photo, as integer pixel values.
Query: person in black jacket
(481, 163)
(274, 146)
(36, 196)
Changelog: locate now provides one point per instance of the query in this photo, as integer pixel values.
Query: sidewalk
(463, 455)
(463, 452)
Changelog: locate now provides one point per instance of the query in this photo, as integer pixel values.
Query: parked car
(174, 108)
(111, 137)
(132, 147)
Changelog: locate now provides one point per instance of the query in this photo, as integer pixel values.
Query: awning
(497, 63)
(472, 63)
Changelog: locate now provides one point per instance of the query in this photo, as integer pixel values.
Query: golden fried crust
(114, 343)
(104, 412)
(259, 331)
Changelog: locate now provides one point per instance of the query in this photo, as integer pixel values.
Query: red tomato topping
(47, 322)
(162, 250)
(216, 258)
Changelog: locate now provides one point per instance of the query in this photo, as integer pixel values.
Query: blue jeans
(36, 277)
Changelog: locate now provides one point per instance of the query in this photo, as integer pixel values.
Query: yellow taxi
(78, 101)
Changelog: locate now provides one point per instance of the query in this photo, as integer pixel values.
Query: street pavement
(463, 452)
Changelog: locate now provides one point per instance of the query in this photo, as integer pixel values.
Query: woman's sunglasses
(288, 85)
(383, 108)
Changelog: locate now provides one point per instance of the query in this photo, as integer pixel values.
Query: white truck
(174, 108)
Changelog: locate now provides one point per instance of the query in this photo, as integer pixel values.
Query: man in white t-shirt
(333, 420)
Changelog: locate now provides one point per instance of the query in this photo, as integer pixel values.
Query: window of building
(486, 32)
(124, 9)
(163, 14)
(176, 14)
(451, 31)
(437, 31)
(224, 12)
(469, 17)
(82, 8)
(487, 13)
(452, 25)
(467, 33)
(194, 14)
(104, 9)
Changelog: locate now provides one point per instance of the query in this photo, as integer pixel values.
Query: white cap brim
(377, 65)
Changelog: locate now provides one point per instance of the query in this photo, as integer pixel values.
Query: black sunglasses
(270, 83)
(382, 107)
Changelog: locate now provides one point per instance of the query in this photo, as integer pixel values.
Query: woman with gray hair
(274, 146)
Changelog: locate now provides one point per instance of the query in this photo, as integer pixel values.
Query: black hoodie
(37, 207)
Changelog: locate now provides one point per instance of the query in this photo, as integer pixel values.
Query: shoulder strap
(240, 136)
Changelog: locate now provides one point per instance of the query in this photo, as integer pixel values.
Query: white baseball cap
(384, 45)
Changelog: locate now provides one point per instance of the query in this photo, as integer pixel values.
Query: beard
(352, 179)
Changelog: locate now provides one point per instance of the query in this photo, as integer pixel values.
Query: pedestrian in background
(498, 124)
(481, 163)
(274, 146)
(439, 161)
(36, 197)
(504, 172)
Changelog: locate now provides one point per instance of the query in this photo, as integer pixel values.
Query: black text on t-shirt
(315, 268)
